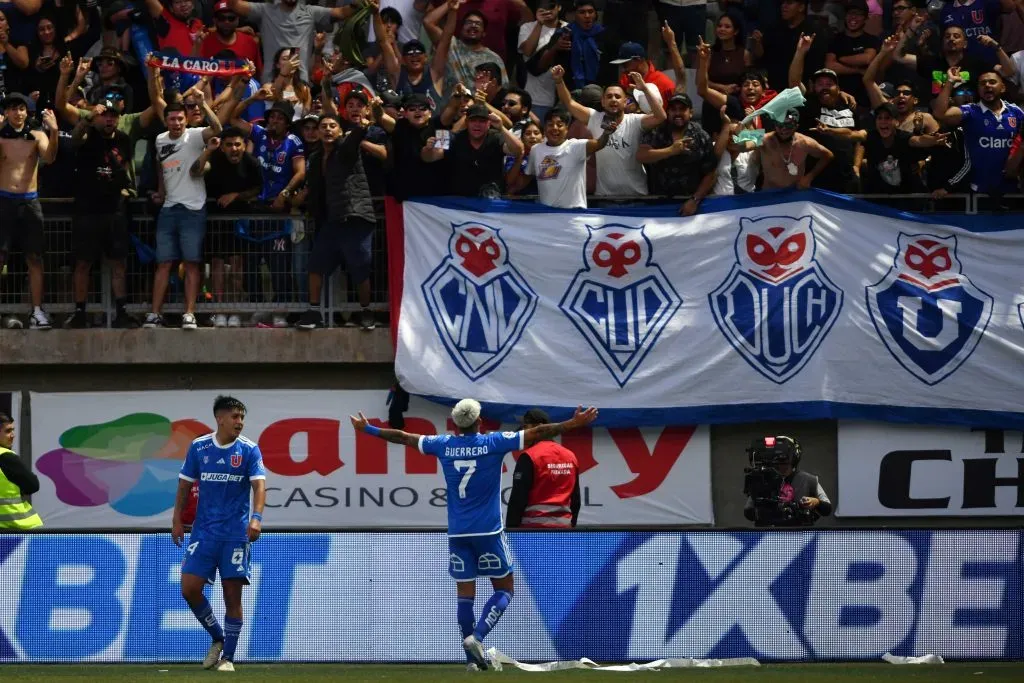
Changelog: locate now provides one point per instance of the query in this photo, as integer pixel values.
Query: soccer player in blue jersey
(226, 465)
(471, 462)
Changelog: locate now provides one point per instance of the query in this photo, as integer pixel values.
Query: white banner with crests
(769, 306)
(111, 461)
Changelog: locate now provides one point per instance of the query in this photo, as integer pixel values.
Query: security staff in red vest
(545, 485)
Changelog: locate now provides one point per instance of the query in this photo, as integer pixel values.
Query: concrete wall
(137, 360)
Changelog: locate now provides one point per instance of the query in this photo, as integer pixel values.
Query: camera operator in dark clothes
(779, 494)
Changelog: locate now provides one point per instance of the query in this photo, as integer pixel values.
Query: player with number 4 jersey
(226, 466)
(471, 461)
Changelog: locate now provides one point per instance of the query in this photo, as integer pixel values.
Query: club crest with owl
(927, 312)
(620, 300)
(777, 305)
(479, 302)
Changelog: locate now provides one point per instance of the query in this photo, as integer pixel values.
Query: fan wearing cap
(618, 171)
(472, 462)
(633, 59)
(467, 50)
(891, 155)
(413, 74)
(106, 79)
(852, 50)
(21, 151)
(830, 120)
(545, 485)
(100, 221)
(411, 176)
(226, 36)
(785, 152)
(908, 118)
(679, 155)
(475, 162)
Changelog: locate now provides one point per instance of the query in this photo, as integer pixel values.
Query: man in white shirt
(181, 223)
(618, 171)
(534, 35)
(560, 164)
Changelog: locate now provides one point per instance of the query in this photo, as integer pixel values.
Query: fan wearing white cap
(472, 461)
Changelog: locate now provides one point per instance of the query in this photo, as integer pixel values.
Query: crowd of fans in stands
(561, 99)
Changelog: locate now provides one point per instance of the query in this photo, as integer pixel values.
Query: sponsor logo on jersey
(620, 300)
(777, 305)
(927, 312)
(479, 302)
(220, 476)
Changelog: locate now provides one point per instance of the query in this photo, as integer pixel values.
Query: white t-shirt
(618, 171)
(541, 88)
(412, 21)
(561, 173)
(176, 158)
(748, 167)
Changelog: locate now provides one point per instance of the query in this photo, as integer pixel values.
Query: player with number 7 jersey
(471, 461)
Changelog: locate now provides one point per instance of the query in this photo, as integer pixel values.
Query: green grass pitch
(428, 673)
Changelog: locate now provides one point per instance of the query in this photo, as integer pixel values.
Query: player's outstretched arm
(177, 527)
(581, 418)
(361, 424)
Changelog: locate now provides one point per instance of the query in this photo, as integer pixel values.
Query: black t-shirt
(412, 177)
(933, 70)
(843, 45)
(780, 46)
(838, 175)
(225, 177)
(890, 170)
(57, 179)
(375, 169)
(102, 172)
(472, 169)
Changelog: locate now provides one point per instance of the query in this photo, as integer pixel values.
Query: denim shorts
(179, 234)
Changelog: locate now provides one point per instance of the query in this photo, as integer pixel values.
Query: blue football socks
(232, 629)
(204, 613)
(492, 612)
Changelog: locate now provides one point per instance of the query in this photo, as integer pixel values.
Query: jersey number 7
(470, 467)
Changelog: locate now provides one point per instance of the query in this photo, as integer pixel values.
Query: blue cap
(628, 51)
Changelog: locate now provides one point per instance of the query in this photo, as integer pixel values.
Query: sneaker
(77, 321)
(472, 667)
(367, 321)
(213, 654)
(310, 320)
(234, 321)
(475, 649)
(188, 321)
(12, 323)
(123, 321)
(39, 320)
(224, 665)
(280, 322)
(220, 320)
(153, 321)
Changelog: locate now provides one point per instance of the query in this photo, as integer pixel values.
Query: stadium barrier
(256, 264)
(610, 596)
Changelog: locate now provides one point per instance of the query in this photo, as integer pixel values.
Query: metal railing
(256, 265)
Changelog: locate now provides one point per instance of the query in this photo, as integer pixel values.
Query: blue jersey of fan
(472, 471)
(224, 474)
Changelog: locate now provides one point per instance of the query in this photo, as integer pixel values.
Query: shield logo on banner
(927, 312)
(236, 460)
(620, 300)
(777, 305)
(479, 302)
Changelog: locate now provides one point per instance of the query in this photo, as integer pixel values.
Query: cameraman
(786, 496)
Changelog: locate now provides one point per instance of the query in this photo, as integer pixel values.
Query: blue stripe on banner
(977, 223)
(509, 413)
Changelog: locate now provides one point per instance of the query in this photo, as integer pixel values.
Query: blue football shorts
(206, 557)
(473, 556)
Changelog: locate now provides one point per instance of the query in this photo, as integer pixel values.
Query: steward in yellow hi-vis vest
(16, 482)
